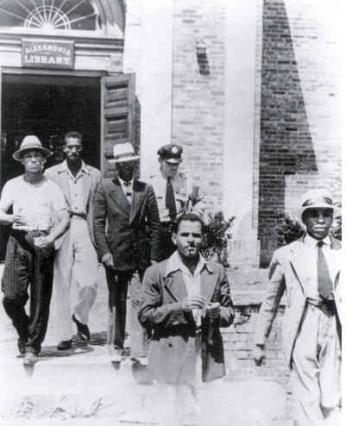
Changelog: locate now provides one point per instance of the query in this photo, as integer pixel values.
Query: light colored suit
(292, 271)
(76, 259)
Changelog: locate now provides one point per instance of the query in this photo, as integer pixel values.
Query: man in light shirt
(308, 270)
(185, 302)
(39, 216)
(174, 193)
(76, 262)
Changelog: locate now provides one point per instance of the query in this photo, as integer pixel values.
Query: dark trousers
(28, 268)
(118, 283)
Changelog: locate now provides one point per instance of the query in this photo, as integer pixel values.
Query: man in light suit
(308, 271)
(76, 260)
(128, 246)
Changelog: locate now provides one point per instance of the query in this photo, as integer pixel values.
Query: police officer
(174, 194)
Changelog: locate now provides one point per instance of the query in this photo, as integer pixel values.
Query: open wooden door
(117, 115)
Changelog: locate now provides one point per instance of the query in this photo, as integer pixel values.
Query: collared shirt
(181, 186)
(78, 203)
(127, 188)
(38, 203)
(311, 244)
(192, 281)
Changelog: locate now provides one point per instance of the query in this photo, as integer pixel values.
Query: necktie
(170, 200)
(325, 285)
(128, 192)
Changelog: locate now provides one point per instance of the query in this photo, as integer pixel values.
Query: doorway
(47, 106)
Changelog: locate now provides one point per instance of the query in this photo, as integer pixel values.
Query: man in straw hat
(128, 246)
(76, 261)
(39, 216)
(308, 271)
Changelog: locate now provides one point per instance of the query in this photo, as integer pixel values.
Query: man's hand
(213, 310)
(18, 220)
(258, 355)
(196, 302)
(43, 241)
(107, 260)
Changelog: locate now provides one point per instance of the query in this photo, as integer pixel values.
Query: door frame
(59, 73)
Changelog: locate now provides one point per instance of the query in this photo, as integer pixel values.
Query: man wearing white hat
(76, 260)
(308, 271)
(130, 243)
(39, 216)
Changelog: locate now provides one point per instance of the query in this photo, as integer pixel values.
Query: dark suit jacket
(173, 330)
(132, 235)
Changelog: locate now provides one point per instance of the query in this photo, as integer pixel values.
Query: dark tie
(170, 200)
(128, 191)
(325, 285)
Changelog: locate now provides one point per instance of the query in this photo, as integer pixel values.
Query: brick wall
(299, 146)
(198, 100)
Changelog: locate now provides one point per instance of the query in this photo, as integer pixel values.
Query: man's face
(318, 222)
(33, 161)
(73, 148)
(126, 169)
(188, 239)
(169, 169)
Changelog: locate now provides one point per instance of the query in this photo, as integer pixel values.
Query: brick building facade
(259, 116)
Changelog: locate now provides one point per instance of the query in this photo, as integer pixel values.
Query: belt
(78, 214)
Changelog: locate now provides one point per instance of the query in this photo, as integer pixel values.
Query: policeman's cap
(171, 153)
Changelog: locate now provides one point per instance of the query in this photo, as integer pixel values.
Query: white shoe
(30, 358)
(114, 354)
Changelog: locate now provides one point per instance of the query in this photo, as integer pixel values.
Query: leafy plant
(216, 236)
(287, 230)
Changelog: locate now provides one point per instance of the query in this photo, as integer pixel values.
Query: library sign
(48, 54)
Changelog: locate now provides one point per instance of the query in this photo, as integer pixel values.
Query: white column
(241, 39)
(148, 53)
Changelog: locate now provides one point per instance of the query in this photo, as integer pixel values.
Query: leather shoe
(64, 345)
(83, 329)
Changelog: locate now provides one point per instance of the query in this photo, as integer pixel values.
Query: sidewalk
(81, 387)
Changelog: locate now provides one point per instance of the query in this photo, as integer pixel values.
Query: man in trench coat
(185, 302)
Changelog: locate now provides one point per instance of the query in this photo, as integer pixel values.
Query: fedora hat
(124, 152)
(30, 143)
(316, 199)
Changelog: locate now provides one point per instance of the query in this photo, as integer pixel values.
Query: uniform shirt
(192, 281)
(181, 188)
(127, 189)
(78, 204)
(312, 252)
(38, 203)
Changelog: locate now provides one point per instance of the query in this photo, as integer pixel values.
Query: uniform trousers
(118, 284)
(28, 268)
(75, 268)
(316, 370)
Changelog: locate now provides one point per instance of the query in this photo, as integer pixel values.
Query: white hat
(30, 143)
(124, 152)
(316, 199)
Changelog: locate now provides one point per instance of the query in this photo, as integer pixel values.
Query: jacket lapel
(208, 282)
(64, 184)
(119, 198)
(86, 186)
(175, 286)
(137, 199)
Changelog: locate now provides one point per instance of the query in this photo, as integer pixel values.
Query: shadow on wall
(286, 146)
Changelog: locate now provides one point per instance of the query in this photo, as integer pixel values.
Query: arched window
(53, 16)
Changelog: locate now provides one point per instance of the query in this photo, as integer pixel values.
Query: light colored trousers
(316, 373)
(75, 265)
